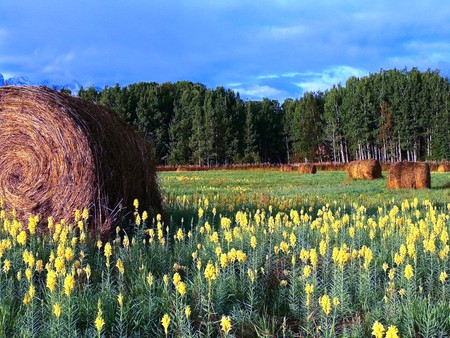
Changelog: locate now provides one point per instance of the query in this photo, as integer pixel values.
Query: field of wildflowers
(244, 254)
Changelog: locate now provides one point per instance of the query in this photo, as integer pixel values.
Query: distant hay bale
(409, 175)
(59, 153)
(443, 168)
(307, 169)
(368, 169)
(285, 168)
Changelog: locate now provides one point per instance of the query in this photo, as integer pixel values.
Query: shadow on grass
(441, 187)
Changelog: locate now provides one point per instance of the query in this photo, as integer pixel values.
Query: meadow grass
(239, 253)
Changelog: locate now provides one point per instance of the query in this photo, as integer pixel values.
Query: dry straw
(59, 153)
(409, 175)
(307, 169)
(444, 167)
(368, 169)
(285, 168)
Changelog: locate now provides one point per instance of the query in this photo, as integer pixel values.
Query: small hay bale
(59, 153)
(286, 168)
(443, 168)
(409, 175)
(307, 169)
(368, 169)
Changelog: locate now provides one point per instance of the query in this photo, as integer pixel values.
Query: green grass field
(240, 254)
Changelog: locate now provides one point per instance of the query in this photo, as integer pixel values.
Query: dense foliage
(391, 115)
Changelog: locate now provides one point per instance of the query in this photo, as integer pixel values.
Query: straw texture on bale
(443, 168)
(409, 175)
(59, 153)
(368, 169)
(307, 169)
(285, 168)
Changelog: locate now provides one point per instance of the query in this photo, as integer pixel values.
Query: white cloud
(257, 91)
(312, 81)
(283, 32)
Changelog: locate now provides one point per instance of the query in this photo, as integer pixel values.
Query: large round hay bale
(368, 169)
(307, 169)
(59, 153)
(409, 175)
(444, 167)
(286, 168)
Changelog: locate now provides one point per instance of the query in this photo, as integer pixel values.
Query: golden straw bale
(409, 175)
(307, 169)
(368, 169)
(444, 167)
(59, 153)
(285, 168)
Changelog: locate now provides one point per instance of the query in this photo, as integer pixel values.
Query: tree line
(391, 115)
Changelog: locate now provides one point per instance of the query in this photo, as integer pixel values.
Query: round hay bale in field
(444, 167)
(368, 169)
(286, 168)
(409, 175)
(307, 169)
(59, 153)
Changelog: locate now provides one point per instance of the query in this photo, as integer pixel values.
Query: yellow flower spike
(187, 311)
(166, 280)
(409, 272)
(22, 238)
(120, 266)
(443, 277)
(165, 321)
(120, 299)
(136, 203)
(99, 321)
(336, 301)
(181, 288)
(108, 250)
(150, 279)
(210, 272)
(51, 280)
(200, 212)
(85, 214)
(77, 215)
(99, 244)
(225, 324)
(325, 303)
(28, 274)
(176, 278)
(378, 330)
(87, 269)
(69, 284)
(144, 216)
(57, 310)
(392, 332)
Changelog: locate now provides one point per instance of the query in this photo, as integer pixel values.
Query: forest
(392, 115)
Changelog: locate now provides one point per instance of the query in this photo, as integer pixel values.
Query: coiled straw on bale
(59, 153)
(368, 169)
(409, 175)
(307, 169)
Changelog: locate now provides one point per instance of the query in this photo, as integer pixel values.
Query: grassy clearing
(246, 254)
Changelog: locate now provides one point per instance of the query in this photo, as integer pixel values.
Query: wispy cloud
(257, 91)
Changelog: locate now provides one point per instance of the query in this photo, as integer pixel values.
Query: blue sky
(262, 48)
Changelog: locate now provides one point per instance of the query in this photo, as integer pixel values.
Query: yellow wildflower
(150, 279)
(392, 332)
(51, 280)
(181, 288)
(69, 284)
(165, 321)
(108, 250)
(57, 309)
(187, 311)
(6, 265)
(443, 277)
(325, 303)
(120, 266)
(225, 324)
(120, 299)
(22, 238)
(99, 322)
(377, 330)
(409, 272)
(136, 203)
(210, 272)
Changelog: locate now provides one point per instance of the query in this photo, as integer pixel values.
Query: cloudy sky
(261, 48)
